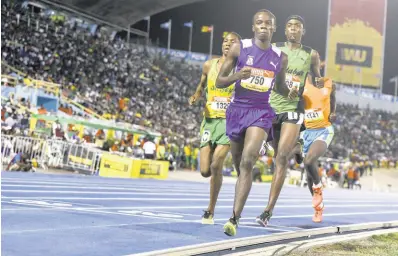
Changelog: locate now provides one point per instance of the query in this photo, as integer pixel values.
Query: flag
(225, 33)
(188, 24)
(207, 29)
(165, 25)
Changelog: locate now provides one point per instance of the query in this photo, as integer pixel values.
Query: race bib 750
(260, 80)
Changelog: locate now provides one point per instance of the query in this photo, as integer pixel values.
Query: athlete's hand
(293, 93)
(319, 81)
(332, 117)
(192, 100)
(245, 73)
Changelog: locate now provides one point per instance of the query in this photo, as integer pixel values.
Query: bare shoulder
(234, 51)
(314, 55)
(206, 66)
(284, 58)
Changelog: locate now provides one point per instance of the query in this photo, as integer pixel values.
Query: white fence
(51, 153)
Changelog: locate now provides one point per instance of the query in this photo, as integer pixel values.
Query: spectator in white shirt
(149, 149)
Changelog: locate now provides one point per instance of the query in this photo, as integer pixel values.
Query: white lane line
(310, 215)
(147, 199)
(80, 227)
(164, 193)
(166, 184)
(156, 191)
(132, 183)
(136, 186)
(25, 209)
(246, 206)
(217, 207)
(99, 211)
(129, 188)
(253, 225)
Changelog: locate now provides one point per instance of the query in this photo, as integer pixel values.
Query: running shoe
(318, 213)
(264, 218)
(266, 148)
(231, 226)
(300, 157)
(263, 149)
(208, 218)
(317, 198)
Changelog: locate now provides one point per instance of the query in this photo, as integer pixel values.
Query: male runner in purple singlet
(259, 67)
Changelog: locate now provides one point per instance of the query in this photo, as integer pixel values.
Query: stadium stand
(125, 83)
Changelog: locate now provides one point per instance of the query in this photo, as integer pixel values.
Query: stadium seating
(123, 82)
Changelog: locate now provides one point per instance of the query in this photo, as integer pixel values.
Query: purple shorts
(240, 118)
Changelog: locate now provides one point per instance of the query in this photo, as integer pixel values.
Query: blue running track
(68, 215)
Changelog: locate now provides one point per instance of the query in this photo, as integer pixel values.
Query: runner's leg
(252, 144)
(206, 154)
(287, 141)
(216, 166)
(236, 151)
(317, 149)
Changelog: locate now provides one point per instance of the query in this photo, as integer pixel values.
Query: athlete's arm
(280, 81)
(332, 116)
(202, 83)
(315, 63)
(224, 79)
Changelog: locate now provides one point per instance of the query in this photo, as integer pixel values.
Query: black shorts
(149, 156)
(288, 117)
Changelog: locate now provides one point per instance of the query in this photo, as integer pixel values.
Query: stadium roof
(119, 12)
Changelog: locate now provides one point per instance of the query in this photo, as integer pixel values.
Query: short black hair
(234, 33)
(266, 11)
(296, 17)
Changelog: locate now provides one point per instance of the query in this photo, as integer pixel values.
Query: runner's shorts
(310, 135)
(213, 131)
(240, 118)
(288, 117)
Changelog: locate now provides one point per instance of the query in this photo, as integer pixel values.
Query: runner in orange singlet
(320, 106)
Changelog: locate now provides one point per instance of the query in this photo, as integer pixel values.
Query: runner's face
(263, 26)
(229, 40)
(294, 31)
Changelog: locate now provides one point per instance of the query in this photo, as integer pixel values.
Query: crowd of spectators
(126, 83)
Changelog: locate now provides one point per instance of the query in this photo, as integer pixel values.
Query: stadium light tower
(395, 80)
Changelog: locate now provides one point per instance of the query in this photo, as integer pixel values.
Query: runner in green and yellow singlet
(214, 145)
(290, 112)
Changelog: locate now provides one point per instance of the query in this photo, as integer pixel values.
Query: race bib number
(292, 80)
(220, 103)
(260, 80)
(313, 115)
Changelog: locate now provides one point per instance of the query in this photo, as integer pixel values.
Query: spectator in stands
(149, 149)
(350, 176)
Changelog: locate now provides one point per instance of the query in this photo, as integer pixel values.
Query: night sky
(236, 15)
